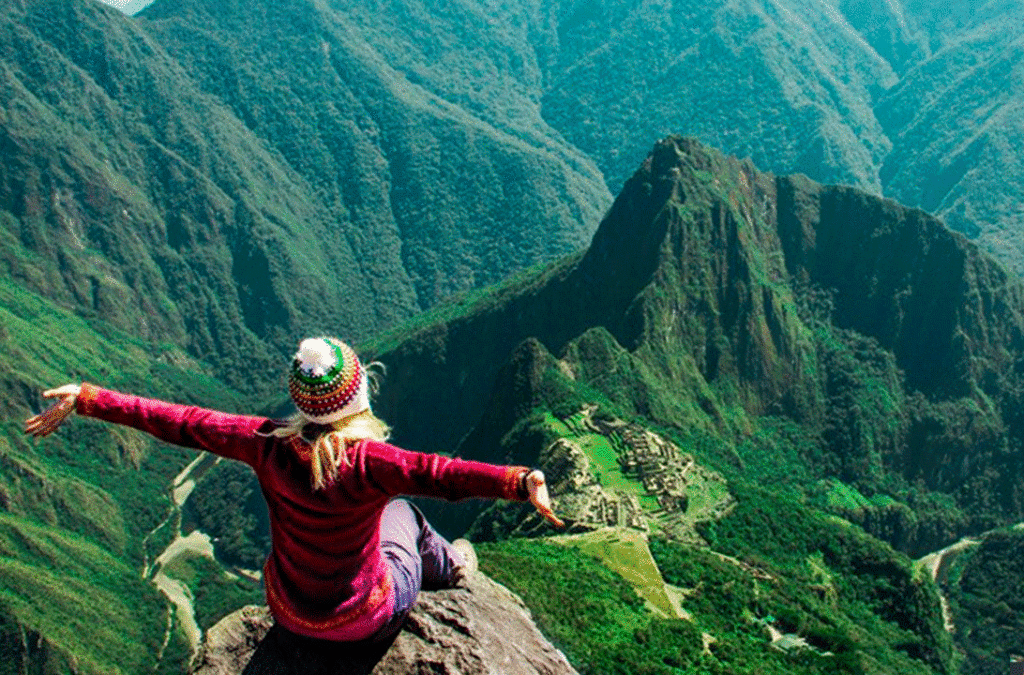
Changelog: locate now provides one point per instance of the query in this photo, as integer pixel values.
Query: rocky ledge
(478, 628)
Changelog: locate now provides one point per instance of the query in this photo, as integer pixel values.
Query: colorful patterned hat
(327, 382)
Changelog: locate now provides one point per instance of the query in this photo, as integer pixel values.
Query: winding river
(177, 592)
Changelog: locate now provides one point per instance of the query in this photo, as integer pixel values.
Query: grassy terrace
(626, 553)
(603, 452)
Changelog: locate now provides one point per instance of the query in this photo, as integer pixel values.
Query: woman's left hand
(538, 490)
(49, 420)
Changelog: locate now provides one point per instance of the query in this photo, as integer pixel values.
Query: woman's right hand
(539, 497)
(49, 420)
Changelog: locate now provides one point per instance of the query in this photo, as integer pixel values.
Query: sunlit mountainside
(829, 381)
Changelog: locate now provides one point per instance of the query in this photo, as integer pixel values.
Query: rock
(479, 628)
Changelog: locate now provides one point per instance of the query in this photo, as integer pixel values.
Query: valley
(743, 277)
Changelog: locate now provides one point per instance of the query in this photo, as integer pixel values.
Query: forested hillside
(186, 192)
(204, 188)
(825, 352)
(313, 165)
(717, 299)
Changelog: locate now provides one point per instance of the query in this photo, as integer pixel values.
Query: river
(195, 543)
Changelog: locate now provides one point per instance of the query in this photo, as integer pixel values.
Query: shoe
(465, 549)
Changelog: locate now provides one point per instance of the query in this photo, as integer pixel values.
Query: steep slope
(828, 352)
(87, 510)
(955, 130)
(470, 192)
(396, 156)
(234, 195)
(985, 590)
(152, 241)
(788, 84)
(715, 299)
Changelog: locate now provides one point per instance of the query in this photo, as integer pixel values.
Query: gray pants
(418, 557)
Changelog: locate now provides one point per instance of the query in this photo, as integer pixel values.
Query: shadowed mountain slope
(955, 127)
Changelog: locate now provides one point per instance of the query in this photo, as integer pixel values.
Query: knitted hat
(327, 382)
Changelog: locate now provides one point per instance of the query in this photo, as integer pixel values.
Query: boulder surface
(479, 628)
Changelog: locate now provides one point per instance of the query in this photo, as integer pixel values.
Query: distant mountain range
(185, 193)
(376, 159)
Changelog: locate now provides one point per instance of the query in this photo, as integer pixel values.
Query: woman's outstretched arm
(536, 487)
(396, 471)
(232, 436)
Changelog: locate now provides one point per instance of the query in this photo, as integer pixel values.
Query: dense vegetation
(230, 505)
(749, 319)
(987, 594)
(855, 603)
(589, 612)
(79, 507)
(751, 310)
(186, 192)
(226, 192)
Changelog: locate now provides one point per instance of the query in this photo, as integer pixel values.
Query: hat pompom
(316, 357)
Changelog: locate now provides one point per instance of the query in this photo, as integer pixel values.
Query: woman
(347, 560)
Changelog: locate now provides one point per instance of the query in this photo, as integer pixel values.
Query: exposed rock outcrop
(480, 628)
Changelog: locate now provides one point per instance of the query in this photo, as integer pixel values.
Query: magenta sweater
(326, 576)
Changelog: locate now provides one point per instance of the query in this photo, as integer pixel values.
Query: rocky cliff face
(481, 628)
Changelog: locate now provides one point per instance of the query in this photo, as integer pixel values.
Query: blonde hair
(330, 448)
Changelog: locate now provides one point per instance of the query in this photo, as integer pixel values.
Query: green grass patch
(625, 552)
(81, 599)
(606, 463)
(591, 613)
(840, 497)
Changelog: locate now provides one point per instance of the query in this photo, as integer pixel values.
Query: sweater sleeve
(400, 472)
(231, 436)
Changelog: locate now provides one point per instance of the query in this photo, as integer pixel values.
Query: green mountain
(185, 192)
(177, 206)
(202, 188)
(984, 585)
(912, 99)
(238, 177)
(714, 295)
(85, 512)
(954, 123)
(820, 352)
(789, 85)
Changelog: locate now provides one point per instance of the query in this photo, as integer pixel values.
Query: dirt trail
(939, 563)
